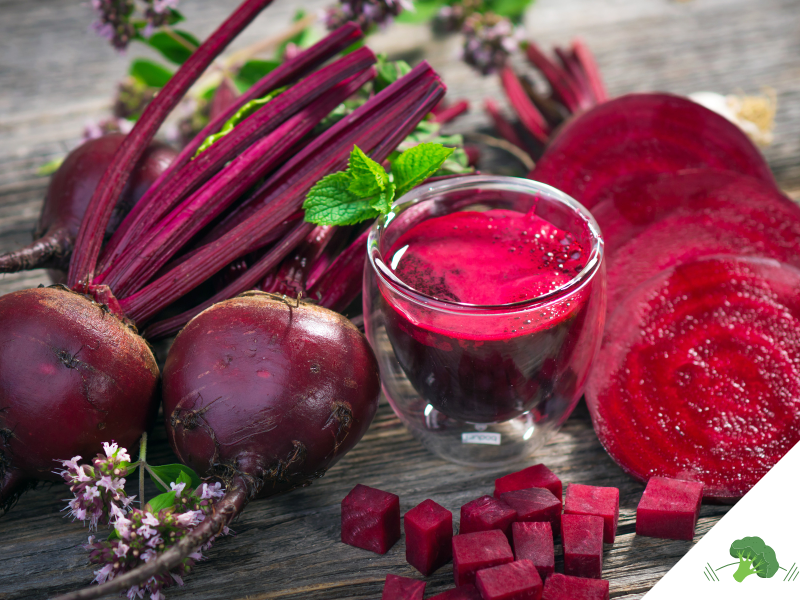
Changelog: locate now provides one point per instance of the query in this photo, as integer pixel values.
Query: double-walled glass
(477, 384)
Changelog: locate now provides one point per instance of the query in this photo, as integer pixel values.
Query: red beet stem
(244, 282)
(144, 214)
(290, 278)
(166, 237)
(44, 252)
(503, 125)
(395, 93)
(229, 506)
(528, 114)
(557, 78)
(445, 115)
(342, 281)
(329, 152)
(577, 78)
(98, 213)
(584, 56)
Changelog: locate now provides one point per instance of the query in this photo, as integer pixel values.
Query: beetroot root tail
(47, 252)
(225, 511)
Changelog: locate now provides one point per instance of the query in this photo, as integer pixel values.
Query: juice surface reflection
(510, 360)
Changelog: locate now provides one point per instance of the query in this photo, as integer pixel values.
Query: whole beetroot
(68, 194)
(66, 389)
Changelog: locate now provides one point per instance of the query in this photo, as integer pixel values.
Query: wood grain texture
(55, 76)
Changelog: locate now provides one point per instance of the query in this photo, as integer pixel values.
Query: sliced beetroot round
(657, 224)
(644, 133)
(699, 374)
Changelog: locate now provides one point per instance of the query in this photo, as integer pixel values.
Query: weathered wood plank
(54, 76)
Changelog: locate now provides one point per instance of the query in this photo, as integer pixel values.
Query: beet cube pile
(505, 545)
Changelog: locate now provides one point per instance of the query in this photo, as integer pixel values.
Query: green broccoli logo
(755, 558)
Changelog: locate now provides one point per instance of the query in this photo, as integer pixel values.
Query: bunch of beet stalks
(74, 370)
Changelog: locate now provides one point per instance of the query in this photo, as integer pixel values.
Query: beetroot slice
(402, 588)
(536, 476)
(669, 509)
(699, 374)
(475, 551)
(566, 587)
(485, 513)
(429, 536)
(465, 592)
(535, 505)
(517, 580)
(534, 542)
(597, 501)
(649, 133)
(371, 519)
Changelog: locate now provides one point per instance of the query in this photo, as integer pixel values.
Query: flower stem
(142, 463)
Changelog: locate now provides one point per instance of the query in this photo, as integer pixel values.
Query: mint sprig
(365, 190)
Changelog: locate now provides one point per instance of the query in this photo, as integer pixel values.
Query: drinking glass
(484, 384)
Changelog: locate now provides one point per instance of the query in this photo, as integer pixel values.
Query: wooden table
(54, 76)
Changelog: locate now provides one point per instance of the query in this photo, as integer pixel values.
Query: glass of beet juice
(484, 299)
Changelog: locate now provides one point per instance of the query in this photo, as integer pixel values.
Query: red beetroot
(669, 509)
(475, 551)
(429, 536)
(68, 194)
(582, 539)
(644, 133)
(65, 388)
(517, 580)
(537, 476)
(402, 588)
(566, 587)
(597, 501)
(486, 513)
(534, 542)
(535, 504)
(676, 392)
(371, 519)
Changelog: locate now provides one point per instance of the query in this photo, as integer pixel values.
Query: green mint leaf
(50, 167)
(388, 72)
(113, 535)
(367, 177)
(416, 164)
(150, 73)
(175, 17)
(175, 473)
(171, 48)
(424, 10)
(330, 202)
(253, 70)
(383, 201)
(513, 9)
(160, 502)
(241, 114)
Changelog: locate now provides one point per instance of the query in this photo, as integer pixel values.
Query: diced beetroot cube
(582, 538)
(514, 581)
(465, 592)
(402, 588)
(475, 551)
(534, 542)
(429, 536)
(535, 504)
(487, 513)
(537, 476)
(597, 501)
(370, 519)
(669, 508)
(565, 587)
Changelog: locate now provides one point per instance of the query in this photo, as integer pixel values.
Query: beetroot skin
(429, 536)
(597, 501)
(371, 519)
(536, 476)
(268, 389)
(703, 384)
(66, 390)
(644, 133)
(402, 588)
(566, 587)
(669, 509)
(68, 194)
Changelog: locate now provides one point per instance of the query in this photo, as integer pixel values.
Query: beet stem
(586, 59)
(341, 283)
(503, 125)
(558, 80)
(528, 114)
(451, 112)
(42, 253)
(229, 506)
(98, 213)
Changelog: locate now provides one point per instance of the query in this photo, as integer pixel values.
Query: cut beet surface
(402, 588)
(566, 587)
(699, 374)
(485, 513)
(537, 476)
(644, 133)
(370, 519)
(535, 504)
(582, 540)
(513, 581)
(690, 215)
(669, 509)
(465, 592)
(534, 542)
(475, 551)
(429, 536)
(598, 501)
